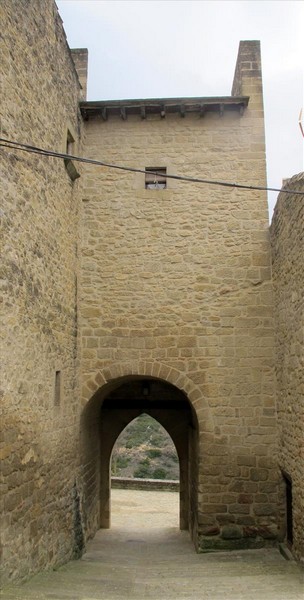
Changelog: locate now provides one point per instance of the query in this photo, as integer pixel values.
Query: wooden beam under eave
(182, 110)
(221, 110)
(163, 111)
(202, 110)
(123, 113)
(241, 109)
(143, 112)
(104, 114)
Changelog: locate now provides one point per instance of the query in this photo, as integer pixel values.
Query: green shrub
(122, 462)
(130, 443)
(159, 474)
(142, 471)
(154, 453)
(156, 439)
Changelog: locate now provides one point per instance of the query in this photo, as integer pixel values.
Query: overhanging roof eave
(162, 105)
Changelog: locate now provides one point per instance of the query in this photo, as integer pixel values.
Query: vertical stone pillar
(248, 70)
(80, 58)
(247, 81)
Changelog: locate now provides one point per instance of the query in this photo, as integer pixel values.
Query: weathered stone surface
(249, 531)
(231, 532)
(268, 532)
(210, 544)
(39, 237)
(211, 531)
(287, 239)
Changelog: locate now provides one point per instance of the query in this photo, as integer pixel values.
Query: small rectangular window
(57, 395)
(155, 178)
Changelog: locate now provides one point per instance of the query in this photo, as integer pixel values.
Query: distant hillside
(144, 449)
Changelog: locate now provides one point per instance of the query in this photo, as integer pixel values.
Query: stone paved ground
(145, 556)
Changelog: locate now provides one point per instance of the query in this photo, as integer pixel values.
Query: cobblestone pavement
(145, 556)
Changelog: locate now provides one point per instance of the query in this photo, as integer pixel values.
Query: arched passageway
(110, 410)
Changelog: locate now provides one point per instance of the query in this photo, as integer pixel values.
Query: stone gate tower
(176, 292)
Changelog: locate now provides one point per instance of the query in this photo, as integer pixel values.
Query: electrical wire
(5, 143)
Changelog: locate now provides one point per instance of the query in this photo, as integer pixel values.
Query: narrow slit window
(69, 143)
(289, 516)
(57, 395)
(70, 150)
(155, 178)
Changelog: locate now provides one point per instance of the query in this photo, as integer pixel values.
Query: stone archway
(113, 406)
(104, 380)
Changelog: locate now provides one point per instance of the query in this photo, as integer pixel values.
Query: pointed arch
(144, 439)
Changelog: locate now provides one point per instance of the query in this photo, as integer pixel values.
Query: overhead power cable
(5, 143)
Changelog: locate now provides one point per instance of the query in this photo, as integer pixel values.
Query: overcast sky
(169, 48)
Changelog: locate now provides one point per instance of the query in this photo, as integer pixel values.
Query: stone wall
(172, 285)
(176, 284)
(287, 237)
(40, 500)
(134, 483)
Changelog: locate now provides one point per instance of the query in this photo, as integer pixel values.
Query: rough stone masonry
(126, 293)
